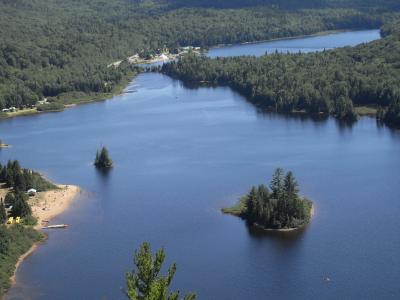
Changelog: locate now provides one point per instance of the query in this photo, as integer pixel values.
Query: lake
(295, 45)
(180, 155)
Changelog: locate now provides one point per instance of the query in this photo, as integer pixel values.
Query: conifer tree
(21, 207)
(290, 185)
(283, 208)
(3, 215)
(145, 282)
(103, 160)
(277, 184)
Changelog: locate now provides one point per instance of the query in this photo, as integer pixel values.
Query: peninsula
(279, 208)
(27, 201)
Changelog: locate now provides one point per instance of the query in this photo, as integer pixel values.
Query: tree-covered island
(277, 208)
(103, 160)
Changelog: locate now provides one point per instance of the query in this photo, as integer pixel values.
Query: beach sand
(47, 205)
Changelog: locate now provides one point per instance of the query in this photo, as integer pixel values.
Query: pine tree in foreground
(145, 282)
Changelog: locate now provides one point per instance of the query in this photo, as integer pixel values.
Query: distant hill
(286, 4)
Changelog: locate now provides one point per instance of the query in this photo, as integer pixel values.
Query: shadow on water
(285, 238)
(104, 175)
(345, 125)
(262, 109)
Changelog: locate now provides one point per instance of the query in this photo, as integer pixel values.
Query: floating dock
(59, 226)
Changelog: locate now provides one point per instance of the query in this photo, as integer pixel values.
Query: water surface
(304, 45)
(180, 155)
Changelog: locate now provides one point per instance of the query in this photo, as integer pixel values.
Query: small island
(103, 160)
(279, 208)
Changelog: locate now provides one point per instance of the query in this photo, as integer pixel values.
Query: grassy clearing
(238, 209)
(365, 110)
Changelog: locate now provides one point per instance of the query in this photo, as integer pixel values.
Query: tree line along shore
(63, 57)
(319, 84)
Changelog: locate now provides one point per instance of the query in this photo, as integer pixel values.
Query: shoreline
(45, 207)
(302, 36)
(237, 213)
(119, 90)
(125, 82)
(50, 204)
(21, 259)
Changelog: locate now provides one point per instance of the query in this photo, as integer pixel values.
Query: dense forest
(59, 50)
(328, 82)
(286, 4)
(281, 207)
(20, 179)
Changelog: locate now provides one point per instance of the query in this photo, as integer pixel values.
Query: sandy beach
(47, 205)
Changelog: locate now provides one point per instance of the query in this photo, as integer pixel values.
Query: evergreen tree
(145, 282)
(291, 186)
(277, 184)
(5, 240)
(3, 214)
(21, 207)
(23, 179)
(251, 203)
(9, 199)
(103, 160)
(283, 208)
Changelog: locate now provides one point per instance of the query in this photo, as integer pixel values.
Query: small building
(31, 192)
(5, 110)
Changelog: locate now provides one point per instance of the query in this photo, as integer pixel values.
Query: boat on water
(55, 226)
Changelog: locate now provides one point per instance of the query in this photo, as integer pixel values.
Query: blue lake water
(304, 45)
(180, 155)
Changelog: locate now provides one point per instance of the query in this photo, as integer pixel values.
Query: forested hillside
(329, 82)
(60, 49)
(286, 4)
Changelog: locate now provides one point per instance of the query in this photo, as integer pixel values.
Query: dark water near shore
(180, 155)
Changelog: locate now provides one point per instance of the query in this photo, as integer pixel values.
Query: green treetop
(103, 160)
(3, 215)
(145, 282)
(278, 209)
(20, 206)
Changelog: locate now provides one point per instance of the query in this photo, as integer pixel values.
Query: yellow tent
(10, 220)
(18, 220)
